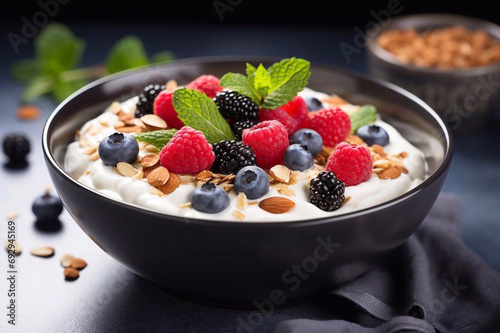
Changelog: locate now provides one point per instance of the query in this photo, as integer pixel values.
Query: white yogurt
(106, 181)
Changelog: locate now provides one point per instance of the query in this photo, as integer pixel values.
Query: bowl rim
(440, 19)
(442, 168)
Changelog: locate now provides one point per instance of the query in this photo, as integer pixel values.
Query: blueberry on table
(253, 181)
(210, 199)
(298, 158)
(118, 147)
(309, 138)
(373, 135)
(16, 146)
(313, 104)
(47, 207)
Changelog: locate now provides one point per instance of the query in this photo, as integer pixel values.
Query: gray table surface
(109, 298)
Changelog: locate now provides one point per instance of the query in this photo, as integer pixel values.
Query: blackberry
(147, 98)
(326, 191)
(231, 156)
(233, 105)
(239, 126)
(16, 146)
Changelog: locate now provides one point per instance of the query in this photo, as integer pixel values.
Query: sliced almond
(187, 179)
(401, 168)
(335, 100)
(131, 122)
(84, 143)
(354, 139)
(78, 263)
(103, 123)
(28, 112)
(12, 216)
(124, 116)
(382, 163)
(186, 205)
(150, 160)
(147, 171)
(253, 203)
(151, 149)
(403, 154)
(227, 179)
(204, 175)
(119, 124)
(294, 178)
(277, 205)
(43, 251)
(238, 215)
(174, 181)
(158, 177)
(116, 108)
(171, 85)
(281, 173)
(320, 159)
(227, 187)
(155, 191)
(90, 151)
(327, 151)
(125, 169)
(153, 122)
(346, 200)
(379, 150)
(94, 157)
(285, 190)
(128, 129)
(389, 173)
(15, 245)
(241, 201)
(66, 260)
(139, 175)
(71, 274)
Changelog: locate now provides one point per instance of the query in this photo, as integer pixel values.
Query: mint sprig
(159, 138)
(54, 69)
(197, 110)
(366, 114)
(273, 87)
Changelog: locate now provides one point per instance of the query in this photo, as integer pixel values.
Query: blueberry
(373, 135)
(118, 147)
(298, 158)
(313, 103)
(253, 181)
(47, 208)
(209, 199)
(309, 138)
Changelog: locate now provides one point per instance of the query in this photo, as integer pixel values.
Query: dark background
(311, 13)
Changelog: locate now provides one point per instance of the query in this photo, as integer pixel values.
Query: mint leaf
(366, 114)
(162, 57)
(25, 70)
(58, 49)
(262, 80)
(37, 87)
(288, 77)
(159, 139)
(63, 89)
(251, 73)
(238, 82)
(200, 112)
(125, 54)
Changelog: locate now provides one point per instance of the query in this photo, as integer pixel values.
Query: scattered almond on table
(43, 251)
(28, 112)
(71, 274)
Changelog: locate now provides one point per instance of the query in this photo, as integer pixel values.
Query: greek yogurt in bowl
(396, 167)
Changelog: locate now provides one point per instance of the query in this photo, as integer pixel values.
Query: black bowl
(234, 264)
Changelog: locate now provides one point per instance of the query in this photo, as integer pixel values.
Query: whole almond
(390, 173)
(66, 260)
(241, 201)
(158, 177)
(277, 205)
(78, 264)
(150, 160)
(174, 181)
(43, 251)
(71, 274)
(153, 122)
(16, 247)
(281, 173)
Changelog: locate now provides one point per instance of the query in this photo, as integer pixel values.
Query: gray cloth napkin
(433, 283)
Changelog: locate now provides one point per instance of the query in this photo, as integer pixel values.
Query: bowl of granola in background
(452, 62)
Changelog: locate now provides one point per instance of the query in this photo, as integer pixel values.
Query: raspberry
(326, 191)
(269, 141)
(164, 109)
(187, 152)
(292, 115)
(233, 105)
(351, 163)
(207, 84)
(146, 99)
(332, 124)
(231, 156)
